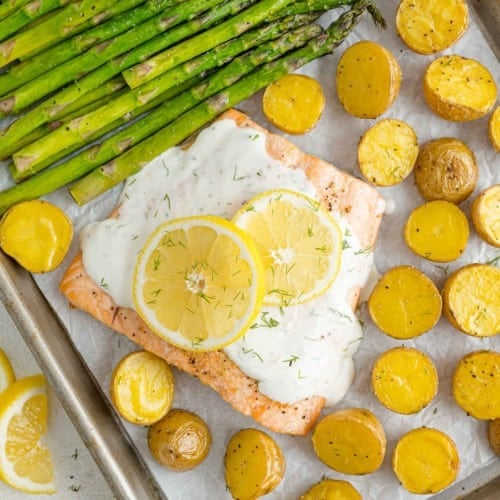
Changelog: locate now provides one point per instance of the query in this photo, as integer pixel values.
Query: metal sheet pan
(89, 409)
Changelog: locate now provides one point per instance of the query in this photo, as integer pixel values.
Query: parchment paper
(335, 140)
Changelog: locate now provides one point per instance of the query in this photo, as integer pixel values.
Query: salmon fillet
(340, 192)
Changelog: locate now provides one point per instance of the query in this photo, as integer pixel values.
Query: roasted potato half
(476, 384)
(368, 79)
(494, 129)
(470, 300)
(459, 89)
(331, 489)
(425, 461)
(429, 26)
(350, 441)
(494, 435)
(446, 169)
(485, 213)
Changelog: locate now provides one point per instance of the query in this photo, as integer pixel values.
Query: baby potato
(476, 384)
(425, 461)
(331, 489)
(368, 79)
(254, 464)
(459, 89)
(180, 440)
(437, 231)
(294, 103)
(470, 300)
(404, 303)
(387, 152)
(350, 441)
(494, 129)
(446, 169)
(485, 212)
(429, 26)
(404, 380)
(494, 435)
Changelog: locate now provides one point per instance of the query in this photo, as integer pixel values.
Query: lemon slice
(299, 242)
(7, 376)
(142, 388)
(25, 463)
(199, 282)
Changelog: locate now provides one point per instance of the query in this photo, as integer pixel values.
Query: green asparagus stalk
(46, 110)
(23, 72)
(7, 8)
(104, 178)
(146, 71)
(26, 15)
(307, 6)
(55, 28)
(74, 132)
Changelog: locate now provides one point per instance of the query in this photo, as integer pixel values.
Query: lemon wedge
(25, 464)
(198, 282)
(7, 376)
(299, 242)
(142, 388)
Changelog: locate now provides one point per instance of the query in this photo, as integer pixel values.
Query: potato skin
(494, 129)
(179, 441)
(494, 435)
(329, 489)
(485, 212)
(446, 169)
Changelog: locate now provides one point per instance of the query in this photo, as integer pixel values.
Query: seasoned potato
(142, 388)
(254, 464)
(350, 441)
(368, 79)
(459, 89)
(425, 461)
(180, 440)
(437, 231)
(404, 303)
(494, 435)
(429, 26)
(470, 300)
(387, 152)
(294, 103)
(446, 169)
(476, 384)
(485, 213)
(331, 489)
(404, 380)
(494, 129)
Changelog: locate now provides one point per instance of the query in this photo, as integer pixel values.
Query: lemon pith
(199, 282)
(299, 243)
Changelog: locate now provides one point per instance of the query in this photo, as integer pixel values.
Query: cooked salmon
(340, 192)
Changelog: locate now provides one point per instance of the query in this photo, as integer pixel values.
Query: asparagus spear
(305, 6)
(28, 70)
(74, 132)
(57, 27)
(104, 178)
(6, 8)
(26, 14)
(46, 110)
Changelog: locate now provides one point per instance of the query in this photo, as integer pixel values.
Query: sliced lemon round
(299, 242)
(25, 464)
(7, 376)
(142, 388)
(199, 282)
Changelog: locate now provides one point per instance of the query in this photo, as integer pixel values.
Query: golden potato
(368, 79)
(180, 440)
(476, 384)
(254, 464)
(494, 129)
(331, 489)
(429, 26)
(470, 300)
(437, 231)
(494, 435)
(459, 89)
(404, 303)
(404, 380)
(294, 103)
(485, 212)
(446, 169)
(387, 152)
(425, 461)
(350, 441)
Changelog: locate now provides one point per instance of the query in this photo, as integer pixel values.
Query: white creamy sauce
(293, 352)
